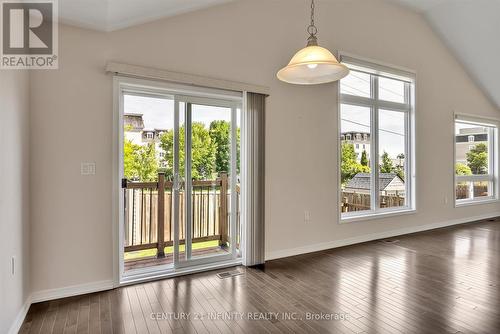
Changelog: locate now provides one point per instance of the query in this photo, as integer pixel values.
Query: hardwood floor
(440, 281)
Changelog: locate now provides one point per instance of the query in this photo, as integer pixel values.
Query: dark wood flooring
(440, 281)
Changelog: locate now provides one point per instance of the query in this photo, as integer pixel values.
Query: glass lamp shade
(313, 65)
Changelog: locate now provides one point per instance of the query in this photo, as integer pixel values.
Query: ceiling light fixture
(313, 64)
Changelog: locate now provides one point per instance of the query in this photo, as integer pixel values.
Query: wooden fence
(149, 213)
(352, 201)
(463, 190)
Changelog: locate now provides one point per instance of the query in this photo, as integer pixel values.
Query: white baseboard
(374, 236)
(21, 315)
(69, 291)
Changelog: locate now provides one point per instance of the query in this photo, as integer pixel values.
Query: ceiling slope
(109, 15)
(471, 29)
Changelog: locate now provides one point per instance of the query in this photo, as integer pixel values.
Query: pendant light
(313, 64)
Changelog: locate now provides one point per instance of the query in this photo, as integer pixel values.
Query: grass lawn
(169, 250)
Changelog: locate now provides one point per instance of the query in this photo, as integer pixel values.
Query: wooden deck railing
(149, 213)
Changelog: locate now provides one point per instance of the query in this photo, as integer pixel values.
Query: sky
(391, 123)
(158, 113)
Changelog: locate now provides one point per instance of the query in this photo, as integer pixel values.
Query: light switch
(88, 168)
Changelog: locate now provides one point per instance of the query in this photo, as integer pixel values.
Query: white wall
(245, 41)
(14, 195)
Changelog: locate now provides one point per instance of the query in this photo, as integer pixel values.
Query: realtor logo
(29, 34)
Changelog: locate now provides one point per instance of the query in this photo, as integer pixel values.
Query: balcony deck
(152, 261)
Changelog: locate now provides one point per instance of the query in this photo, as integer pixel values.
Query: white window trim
(493, 163)
(394, 72)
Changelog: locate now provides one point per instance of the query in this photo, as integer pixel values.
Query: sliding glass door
(180, 179)
(206, 180)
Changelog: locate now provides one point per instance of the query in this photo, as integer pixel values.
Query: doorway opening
(180, 178)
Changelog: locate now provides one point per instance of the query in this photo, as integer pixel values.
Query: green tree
(148, 164)
(349, 165)
(477, 159)
(386, 165)
(364, 158)
(400, 157)
(139, 162)
(462, 169)
(130, 160)
(400, 170)
(220, 132)
(203, 152)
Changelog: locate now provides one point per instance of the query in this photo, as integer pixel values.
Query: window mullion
(375, 200)
(491, 152)
(407, 94)
(407, 157)
(495, 161)
(471, 190)
(492, 168)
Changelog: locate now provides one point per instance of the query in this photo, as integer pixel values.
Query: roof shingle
(362, 180)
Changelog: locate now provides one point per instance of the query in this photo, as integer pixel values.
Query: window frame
(493, 126)
(376, 70)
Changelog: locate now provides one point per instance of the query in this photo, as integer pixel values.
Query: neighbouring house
(139, 135)
(133, 126)
(390, 184)
(360, 141)
(467, 139)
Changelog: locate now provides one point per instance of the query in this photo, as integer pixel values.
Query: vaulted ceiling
(108, 15)
(470, 28)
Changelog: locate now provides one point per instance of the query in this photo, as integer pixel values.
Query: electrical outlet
(445, 200)
(87, 168)
(307, 216)
(13, 265)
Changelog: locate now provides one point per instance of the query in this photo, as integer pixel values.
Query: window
(377, 102)
(476, 169)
